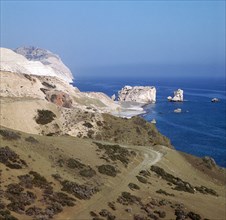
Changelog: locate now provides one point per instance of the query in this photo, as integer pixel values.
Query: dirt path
(113, 189)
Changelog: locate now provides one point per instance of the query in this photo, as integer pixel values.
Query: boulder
(178, 110)
(140, 94)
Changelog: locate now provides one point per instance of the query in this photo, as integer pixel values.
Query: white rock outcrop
(178, 96)
(48, 59)
(17, 63)
(215, 100)
(140, 94)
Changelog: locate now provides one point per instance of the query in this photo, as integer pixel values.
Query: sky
(129, 38)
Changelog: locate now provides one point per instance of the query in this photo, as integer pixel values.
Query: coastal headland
(65, 155)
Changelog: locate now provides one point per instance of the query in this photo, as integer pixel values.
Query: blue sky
(165, 38)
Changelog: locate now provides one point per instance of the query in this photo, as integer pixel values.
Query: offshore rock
(141, 94)
(215, 100)
(178, 96)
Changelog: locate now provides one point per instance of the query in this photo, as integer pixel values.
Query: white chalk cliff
(178, 96)
(141, 94)
(17, 63)
(48, 59)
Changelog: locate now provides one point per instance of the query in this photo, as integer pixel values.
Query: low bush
(87, 172)
(44, 117)
(108, 170)
(133, 186)
(31, 140)
(9, 135)
(142, 179)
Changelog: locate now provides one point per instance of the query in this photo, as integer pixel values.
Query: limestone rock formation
(48, 59)
(16, 63)
(141, 94)
(178, 96)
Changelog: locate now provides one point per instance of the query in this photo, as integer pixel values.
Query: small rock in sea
(215, 100)
(178, 110)
(153, 121)
(169, 98)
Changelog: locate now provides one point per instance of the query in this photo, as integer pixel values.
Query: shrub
(160, 191)
(142, 179)
(72, 163)
(9, 135)
(31, 140)
(79, 191)
(44, 117)
(108, 170)
(87, 172)
(88, 125)
(48, 85)
(10, 158)
(127, 198)
(133, 186)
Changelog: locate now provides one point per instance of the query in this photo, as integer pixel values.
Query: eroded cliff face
(141, 94)
(48, 59)
(47, 65)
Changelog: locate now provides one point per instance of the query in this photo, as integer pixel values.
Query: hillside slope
(73, 178)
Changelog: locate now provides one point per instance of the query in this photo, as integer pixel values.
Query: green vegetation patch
(133, 186)
(11, 159)
(73, 163)
(160, 191)
(87, 172)
(142, 179)
(44, 117)
(31, 140)
(116, 152)
(134, 131)
(80, 191)
(127, 198)
(108, 170)
(9, 135)
(181, 185)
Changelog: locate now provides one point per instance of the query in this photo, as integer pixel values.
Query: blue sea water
(201, 127)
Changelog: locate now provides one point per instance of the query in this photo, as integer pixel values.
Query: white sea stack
(178, 96)
(140, 94)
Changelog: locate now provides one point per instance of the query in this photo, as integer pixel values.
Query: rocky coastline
(65, 155)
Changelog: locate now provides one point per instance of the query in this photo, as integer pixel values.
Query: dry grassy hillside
(73, 178)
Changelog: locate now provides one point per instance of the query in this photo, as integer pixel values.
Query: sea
(200, 129)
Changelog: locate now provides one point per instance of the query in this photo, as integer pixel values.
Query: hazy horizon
(128, 38)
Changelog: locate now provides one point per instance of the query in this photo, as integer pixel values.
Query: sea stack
(140, 94)
(178, 96)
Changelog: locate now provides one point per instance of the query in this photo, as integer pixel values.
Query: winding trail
(113, 188)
